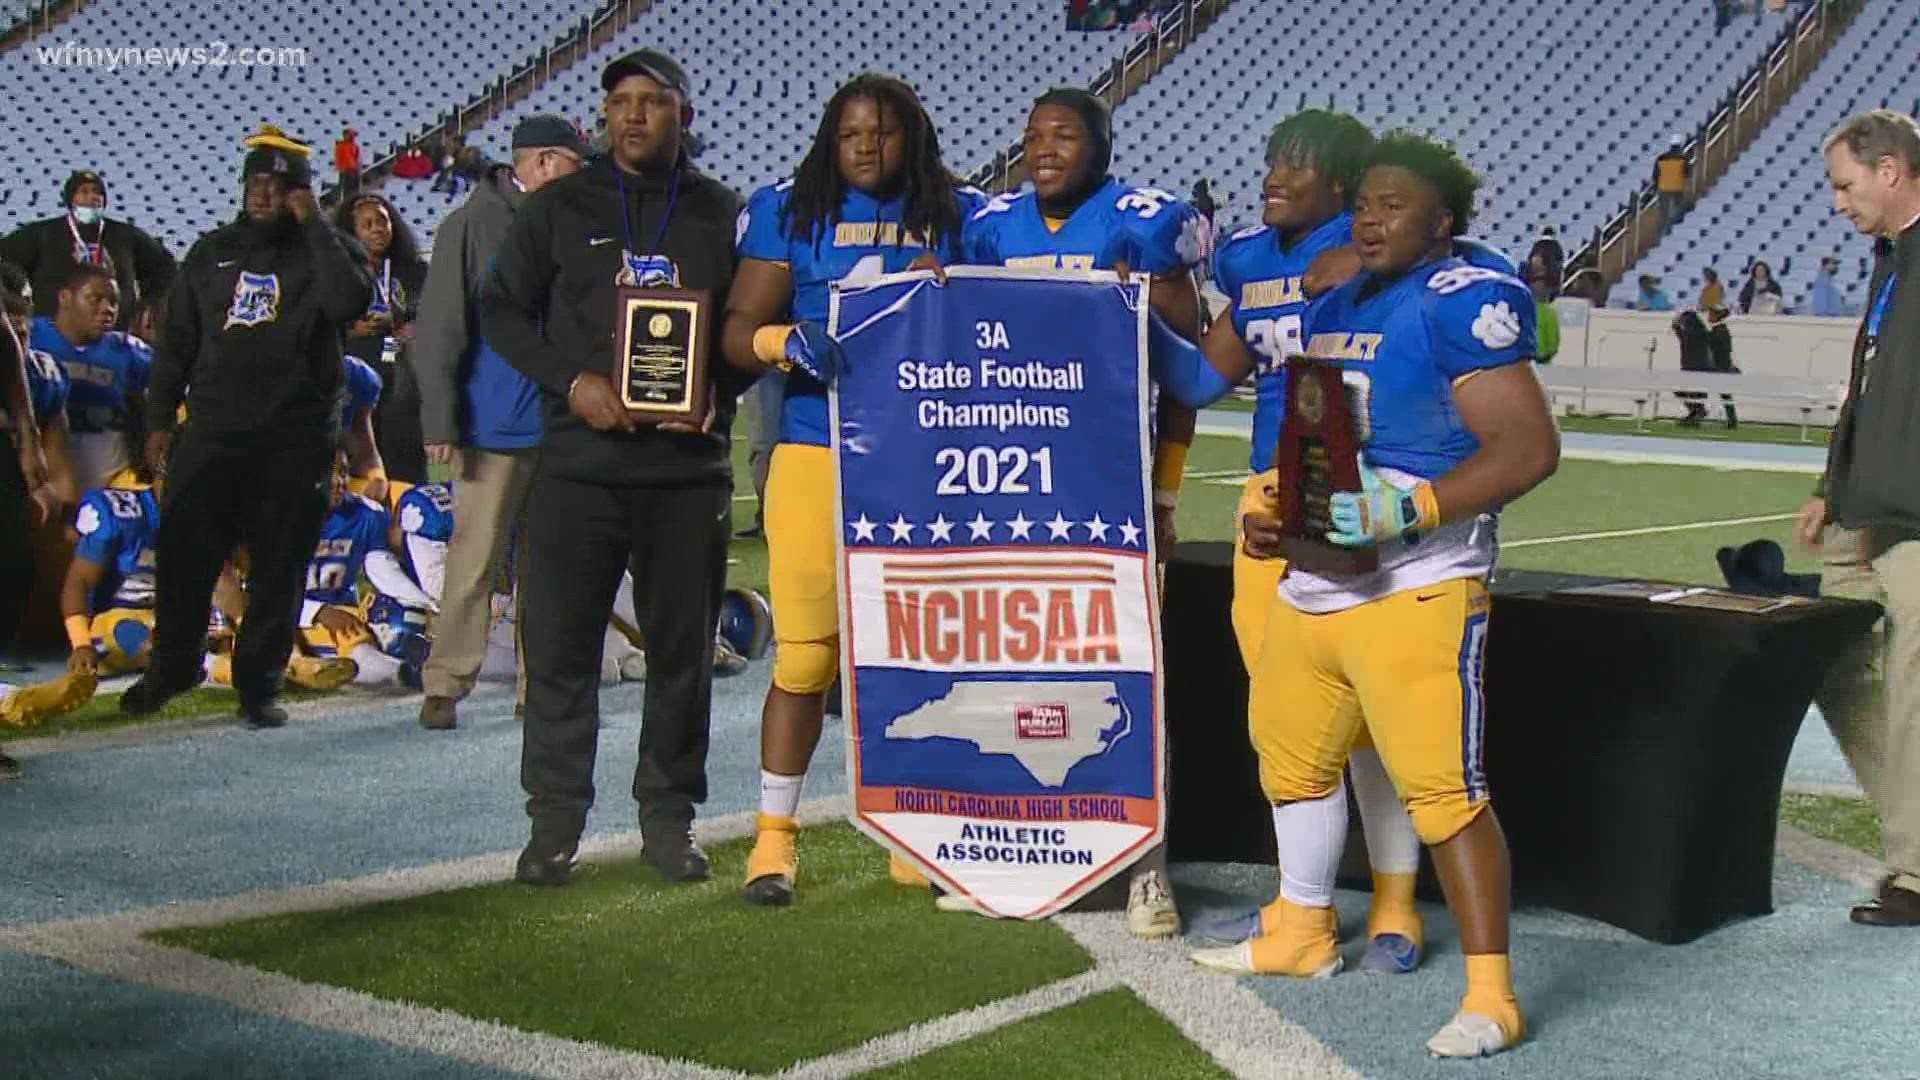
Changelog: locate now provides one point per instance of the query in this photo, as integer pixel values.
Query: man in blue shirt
(477, 413)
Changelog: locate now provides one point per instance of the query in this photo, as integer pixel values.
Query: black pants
(16, 546)
(396, 424)
(220, 497)
(578, 539)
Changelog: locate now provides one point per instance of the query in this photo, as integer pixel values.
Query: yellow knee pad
(806, 667)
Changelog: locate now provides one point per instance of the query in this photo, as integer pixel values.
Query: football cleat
(1471, 1035)
(1150, 910)
(1230, 930)
(321, 672)
(774, 863)
(30, 706)
(1391, 954)
(1301, 944)
(903, 873)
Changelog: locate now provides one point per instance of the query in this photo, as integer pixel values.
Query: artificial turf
(1113, 1034)
(624, 959)
(1852, 822)
(103, 712)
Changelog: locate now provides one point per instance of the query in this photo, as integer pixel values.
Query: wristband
(770, 345)
(79, 631)
(1169, 468)
(1428, 505)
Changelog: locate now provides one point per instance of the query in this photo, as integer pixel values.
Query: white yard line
(1651, 530)
(1230, 1022)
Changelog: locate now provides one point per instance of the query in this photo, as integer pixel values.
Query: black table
(1635, 752)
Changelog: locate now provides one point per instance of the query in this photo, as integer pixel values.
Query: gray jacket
(445, 328)
(1875, 456)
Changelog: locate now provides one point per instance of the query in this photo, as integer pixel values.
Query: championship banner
(1000, 625)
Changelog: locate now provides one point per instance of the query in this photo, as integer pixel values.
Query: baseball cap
(540, 132)
(652, 63)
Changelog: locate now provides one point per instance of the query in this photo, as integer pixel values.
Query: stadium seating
(761, 72)
(1560, 106)
(1774, 204)
(167, 140)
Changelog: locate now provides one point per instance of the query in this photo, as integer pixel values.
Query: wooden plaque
(662, 341)
(1319, 454)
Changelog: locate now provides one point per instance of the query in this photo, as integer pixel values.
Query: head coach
(1871, 698)
(253, 347)
(610, 494)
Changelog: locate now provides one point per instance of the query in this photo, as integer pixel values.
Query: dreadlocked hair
(1435, 163)
(931, 210)
(1332, 143)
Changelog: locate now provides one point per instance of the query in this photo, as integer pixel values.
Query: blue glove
(811, 349)
(1381, 511)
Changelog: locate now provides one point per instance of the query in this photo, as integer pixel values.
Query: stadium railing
(1738, 120)
(1172, 32)
(589, 34)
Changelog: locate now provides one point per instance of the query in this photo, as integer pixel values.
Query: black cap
(652, 63)
(82, 176)
(541, 132)
(279, 162)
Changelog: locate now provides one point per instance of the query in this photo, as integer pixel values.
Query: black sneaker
(666, 844)
(262, 714)
(546, 862)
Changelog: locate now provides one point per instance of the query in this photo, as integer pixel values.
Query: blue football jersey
(355, 529)
(866, 241)
(363, 389)
(119, 528)
(1484, 255)
(426, 511)
(47, 387)
(1263, 282)
(1403, 346)
(1149, 230)
(103, 375)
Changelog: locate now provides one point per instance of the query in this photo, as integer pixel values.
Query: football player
(1452, 426)
(47, 392)
(366, 473)
(106, 406)
(1080, 217)
(871, 196)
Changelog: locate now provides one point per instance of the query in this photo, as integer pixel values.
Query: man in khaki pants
(477, 413)
(1871, 698)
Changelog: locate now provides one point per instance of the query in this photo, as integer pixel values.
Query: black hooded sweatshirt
(254, 331)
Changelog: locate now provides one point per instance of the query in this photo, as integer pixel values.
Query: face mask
(88, 215)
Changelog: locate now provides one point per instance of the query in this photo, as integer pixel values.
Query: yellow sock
(1490, 993)
(1393, 911)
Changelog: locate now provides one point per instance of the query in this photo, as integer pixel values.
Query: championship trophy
(662, 338)
(1318, 455)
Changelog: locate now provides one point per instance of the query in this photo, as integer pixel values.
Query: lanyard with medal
(661, 331)
(88, 254)
(1875, 314)
(383, 305)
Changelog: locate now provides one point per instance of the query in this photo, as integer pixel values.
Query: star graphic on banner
(979, 528)
(863, 529)
(1096, 529)
(1020, 526)
(941, 528)
(1059, 528)
(901, 528)
(1130, 533)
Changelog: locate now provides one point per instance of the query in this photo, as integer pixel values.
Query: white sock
(376, 667)
(1392, 845)
(780, 795)
(1311, 835)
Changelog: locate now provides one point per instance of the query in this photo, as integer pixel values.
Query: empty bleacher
(1560, 106)
(1774, 204)
(167, 138)
(762, 70)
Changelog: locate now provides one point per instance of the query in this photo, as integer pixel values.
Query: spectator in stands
(346, 162)
(1826, 290)
(1722, 14)
(413, 164)
(1871, 698)
(444, 178)
(381, 336)
(48, 249)
(1761, 294)
(1652, 297)
(1552, 259)
(107, 370)
(477, 413)
(1713, 294)
(1670, 173)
